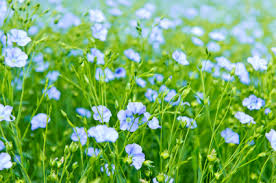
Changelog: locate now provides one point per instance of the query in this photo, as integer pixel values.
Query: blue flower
(136, 108)
(19, 36)
(167, 179)
(125, 2)
(5, 113)
(170, 97)
(190, 123)
(93, 152)
(53, 93)
(143, 13)
(99, 31)
(244, 118)
(242, 73)
(230, 136)
(120, 73)
(156, 77)
(227, 77)
(165, 23)
(3, 11)
(213, 47)
(135, 152)
(132, 55)
(3, 37)
(53, 76)
(207, 65)
(217, 35)
(33, 30)
(197, 41)
(79, 134)
(199, 97)
(156, 37)
(163, 89)
(129, 119)
(151, 95)
(107, 171)
(154, 123)
(106, 75)
(140, 82)
(180, 57)
(14, 57)
(271, 137)
(68, 20)
(96, 16)
(17, 159)
(40, 65)
(258, 63)
(251, 142)
(2, 145)
(5, 161)
(39, 121)
(274, 50)
(38, 58)
(197, 31)
(267, 111)
(96, 53)
(115, 12)
(225, 63)
(17, 83)
(83, 112)
(101, 113)
(75, 52)
(253, 103)
(102, 133)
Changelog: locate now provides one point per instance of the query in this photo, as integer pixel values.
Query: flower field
(137, 91)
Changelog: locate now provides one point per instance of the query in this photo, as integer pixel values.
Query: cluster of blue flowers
(134, 116)
(5, 113)
(124, 77)
(14, 56)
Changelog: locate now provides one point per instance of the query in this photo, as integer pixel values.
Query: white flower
(180, 57)
(19, 36)
(96, 16)
(271, 137)
(5, 113)
(257, 63)
(5, 161)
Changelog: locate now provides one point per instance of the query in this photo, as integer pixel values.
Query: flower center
(128, 120)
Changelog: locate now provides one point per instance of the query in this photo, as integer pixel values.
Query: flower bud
(53, 176)
(53, 162)
(148, 163)
(19, 181)
(74, 147)
(60, 162)
(66, 150)
(144, 181)
(148, 173)
(160, 177)
(263, 154)
(75, 165)
(213, 156)
(128, 160)
(165, 154)
(217, 175)
(9, 146)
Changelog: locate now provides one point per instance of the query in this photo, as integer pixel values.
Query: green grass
(187, 155)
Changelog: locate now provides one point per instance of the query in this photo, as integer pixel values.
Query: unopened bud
(74, 147)
(165, 154)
